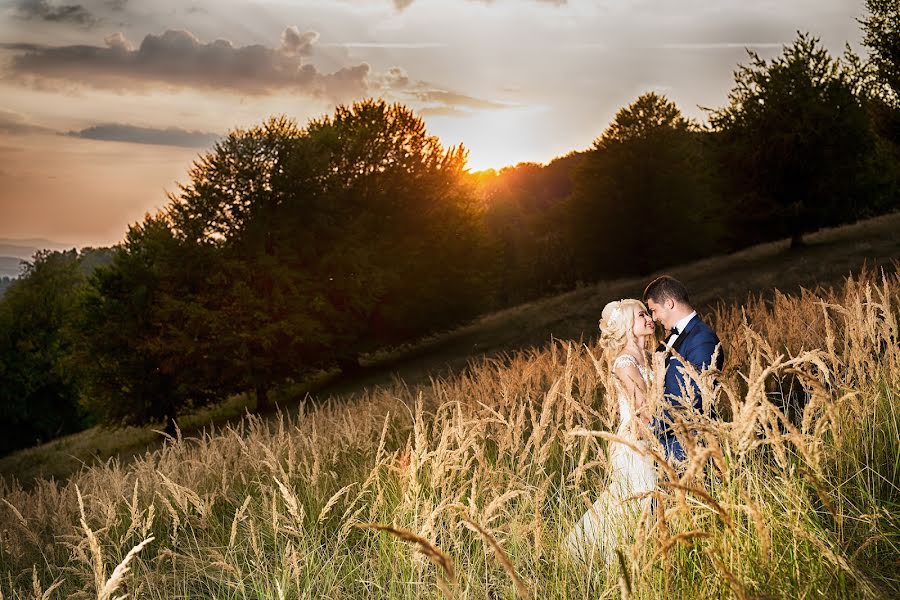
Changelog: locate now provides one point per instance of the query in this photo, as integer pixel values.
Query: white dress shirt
(680, 325)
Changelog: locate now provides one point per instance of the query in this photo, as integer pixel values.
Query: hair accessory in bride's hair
(614, 315)
(612, 320)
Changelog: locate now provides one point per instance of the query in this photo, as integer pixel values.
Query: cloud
(401, 5)
(396, 78)
(429, 101)
(295, 43)
(443, 111)
(13, 123)
(719, 45)
(66, 13)
(389, 45)
(454, 99)
(172, 136)
(178, 59)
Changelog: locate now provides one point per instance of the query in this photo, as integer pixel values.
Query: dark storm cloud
(65, 13)
(172, 136)
(178, 59)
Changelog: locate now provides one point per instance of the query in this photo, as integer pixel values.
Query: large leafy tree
(39, 387)
(290, 249)
(398, 217)
(355, 231)
(522, 214)
(264, 317)
(797, 142)
(644, 196)
(145, 340)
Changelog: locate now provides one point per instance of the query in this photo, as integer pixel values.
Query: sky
(104, 104)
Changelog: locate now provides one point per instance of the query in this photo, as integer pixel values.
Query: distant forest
(296, 248)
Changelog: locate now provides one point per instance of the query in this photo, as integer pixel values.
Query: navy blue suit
(696, 344)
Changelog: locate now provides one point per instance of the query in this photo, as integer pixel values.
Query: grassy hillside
(830, 255)
(465, 487)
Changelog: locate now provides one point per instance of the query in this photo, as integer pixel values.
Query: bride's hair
(617, 326)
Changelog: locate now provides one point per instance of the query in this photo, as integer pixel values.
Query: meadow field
(466, 487)
(760, 271)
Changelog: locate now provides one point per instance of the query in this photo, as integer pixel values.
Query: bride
(626, 330)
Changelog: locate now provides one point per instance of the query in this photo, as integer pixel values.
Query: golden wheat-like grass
(432, 552)
(521, 589)
(791, 494)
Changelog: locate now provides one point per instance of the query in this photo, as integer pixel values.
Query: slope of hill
(485, 474)
(830, 256)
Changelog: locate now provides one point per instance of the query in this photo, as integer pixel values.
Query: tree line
(297, 248)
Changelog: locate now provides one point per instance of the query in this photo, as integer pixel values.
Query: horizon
(107, 104)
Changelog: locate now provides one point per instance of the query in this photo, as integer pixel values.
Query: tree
(408, 225)
(356, 231)
(145, 340)
(878, 81)
(263, 310)
(797, 142)
(291, 249)
(644, 196)
(882, 36)
(522, 214)
(39, 389)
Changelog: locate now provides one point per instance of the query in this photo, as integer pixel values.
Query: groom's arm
(674, 382)
(698, 353)
(701, 354)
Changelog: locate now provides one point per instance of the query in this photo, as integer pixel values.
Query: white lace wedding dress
(613, 516)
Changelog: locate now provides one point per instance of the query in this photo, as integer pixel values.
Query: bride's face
(643, 322)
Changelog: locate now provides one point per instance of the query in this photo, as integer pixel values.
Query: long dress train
(608, 523)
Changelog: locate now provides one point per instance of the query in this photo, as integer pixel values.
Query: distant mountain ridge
(10, 266)
(14, 251)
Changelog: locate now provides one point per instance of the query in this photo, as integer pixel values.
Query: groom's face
(662, 311)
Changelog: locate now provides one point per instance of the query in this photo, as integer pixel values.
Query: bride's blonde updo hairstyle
(617, 326)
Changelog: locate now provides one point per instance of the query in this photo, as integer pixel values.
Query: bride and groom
(626, 331)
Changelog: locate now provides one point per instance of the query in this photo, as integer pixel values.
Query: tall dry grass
(467, 487)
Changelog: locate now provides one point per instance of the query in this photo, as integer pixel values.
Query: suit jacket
(696, 344)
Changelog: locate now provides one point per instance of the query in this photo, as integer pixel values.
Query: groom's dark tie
(662, 345)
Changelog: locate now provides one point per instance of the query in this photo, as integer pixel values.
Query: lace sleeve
(625, 360)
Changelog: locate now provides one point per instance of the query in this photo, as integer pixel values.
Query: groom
(692, 339)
